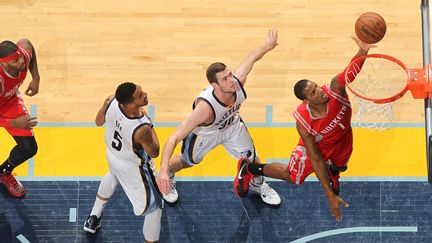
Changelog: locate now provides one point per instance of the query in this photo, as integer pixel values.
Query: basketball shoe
(13, 186)
(172, 196)
(241, 181)
(268, 194)
(92, 224)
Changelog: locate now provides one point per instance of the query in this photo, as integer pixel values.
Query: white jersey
(224, 116)
(119, 133)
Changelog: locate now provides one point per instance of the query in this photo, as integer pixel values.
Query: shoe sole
(90, 230)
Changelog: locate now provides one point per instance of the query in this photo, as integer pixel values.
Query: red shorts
(300, 166)
(14, 108)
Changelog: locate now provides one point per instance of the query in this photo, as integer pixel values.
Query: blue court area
(208, 211)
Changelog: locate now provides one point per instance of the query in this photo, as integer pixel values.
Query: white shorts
(236, 141)
(138, 182)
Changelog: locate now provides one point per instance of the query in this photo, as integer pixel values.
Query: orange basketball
(370, 27)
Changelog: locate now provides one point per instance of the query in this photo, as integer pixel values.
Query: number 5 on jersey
(117, 143)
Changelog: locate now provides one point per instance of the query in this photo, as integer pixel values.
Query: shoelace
(173, 185)
(266, 189)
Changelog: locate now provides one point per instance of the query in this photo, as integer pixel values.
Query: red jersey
(332, 132)
(9, 85)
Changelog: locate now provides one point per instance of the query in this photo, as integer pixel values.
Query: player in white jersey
(215, 120)
(131, 143)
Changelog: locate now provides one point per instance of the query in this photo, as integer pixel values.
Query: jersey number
(117, 143)
(226, 123)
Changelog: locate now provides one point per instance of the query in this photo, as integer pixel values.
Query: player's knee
(287, 176)
(29, 149)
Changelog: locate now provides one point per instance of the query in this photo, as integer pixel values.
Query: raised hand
(272, 38)
(364, 46)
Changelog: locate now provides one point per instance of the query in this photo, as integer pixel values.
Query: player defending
(15, 61)
(131, 143)
(215, 120)
(325, 145)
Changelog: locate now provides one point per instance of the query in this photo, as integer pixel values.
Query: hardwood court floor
(86, 48)
(209, 212)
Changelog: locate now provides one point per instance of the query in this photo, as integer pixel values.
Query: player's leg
(152, 226)
(106, 189)
(240, 145)
(274, 170)
(26, 148)
(193, 150)
(138, 182)
(337, 160)
(296, 172)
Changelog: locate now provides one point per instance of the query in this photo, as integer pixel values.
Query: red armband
(5, 122)
(351, 71)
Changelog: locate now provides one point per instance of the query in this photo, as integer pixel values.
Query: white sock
(258, 180)
(98, 207)
(107, 187)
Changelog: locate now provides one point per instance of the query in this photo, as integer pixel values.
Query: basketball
(370, 27)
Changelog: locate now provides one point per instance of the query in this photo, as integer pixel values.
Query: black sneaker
(92, 224)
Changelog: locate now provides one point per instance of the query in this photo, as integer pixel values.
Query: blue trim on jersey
(153, 196)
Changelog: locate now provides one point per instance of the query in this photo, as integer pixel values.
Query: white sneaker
(172, 196)
(268, 194)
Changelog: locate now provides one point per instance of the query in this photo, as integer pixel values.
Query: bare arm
(146, 136)
(200, 115)
(246, 65)
(100, 117)
(338, 82)
(321, 173)
(33, 68)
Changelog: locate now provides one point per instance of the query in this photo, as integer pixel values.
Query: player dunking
(323, 122)
(215, 120)
(15, 61)
(131, 143)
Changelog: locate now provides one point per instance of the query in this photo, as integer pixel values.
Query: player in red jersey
(323, 121)
(15, 61)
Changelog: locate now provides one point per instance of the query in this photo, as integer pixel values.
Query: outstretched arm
(338, 82)
(246, 65)
(321, 173)
(200, 115)
(33, 87)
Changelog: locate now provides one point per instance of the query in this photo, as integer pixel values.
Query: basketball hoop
(381, 81)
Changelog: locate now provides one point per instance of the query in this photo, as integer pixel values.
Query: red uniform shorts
(300, 166)
(12, 109)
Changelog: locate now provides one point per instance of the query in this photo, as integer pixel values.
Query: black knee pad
(25, 149)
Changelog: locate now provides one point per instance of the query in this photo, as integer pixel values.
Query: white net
(377, 117)
(379, 78)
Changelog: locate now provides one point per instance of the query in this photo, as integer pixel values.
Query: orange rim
(386, 99)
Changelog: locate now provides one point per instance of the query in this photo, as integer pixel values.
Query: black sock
(256, 169)
(6, 167)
